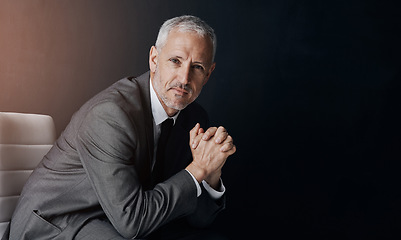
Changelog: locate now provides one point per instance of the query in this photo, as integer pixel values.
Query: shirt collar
(159, 115)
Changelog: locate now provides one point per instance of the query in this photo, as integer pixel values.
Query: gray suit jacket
(100, 168)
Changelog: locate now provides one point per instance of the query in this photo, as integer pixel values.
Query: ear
(209, 73)
(153, 54)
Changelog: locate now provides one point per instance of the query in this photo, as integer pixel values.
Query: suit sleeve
(106, 144)
(206, 210)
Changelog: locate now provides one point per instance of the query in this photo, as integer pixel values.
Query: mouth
(179, 91)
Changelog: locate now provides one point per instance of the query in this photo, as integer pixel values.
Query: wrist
(214, 180)
(197, 172)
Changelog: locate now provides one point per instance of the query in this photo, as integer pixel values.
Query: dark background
(310, 91)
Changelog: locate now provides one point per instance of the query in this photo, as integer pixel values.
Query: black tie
(157, 173)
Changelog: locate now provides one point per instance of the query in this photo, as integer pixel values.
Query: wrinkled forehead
(189, 40)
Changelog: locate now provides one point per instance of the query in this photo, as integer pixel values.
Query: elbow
(126, 232)
(134, 225)
(130, 233)
(134, 229)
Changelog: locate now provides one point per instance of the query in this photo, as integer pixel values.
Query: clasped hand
(210, 151)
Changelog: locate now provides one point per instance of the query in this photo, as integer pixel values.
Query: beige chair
(24, 140)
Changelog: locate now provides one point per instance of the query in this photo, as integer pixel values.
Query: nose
(184, 74)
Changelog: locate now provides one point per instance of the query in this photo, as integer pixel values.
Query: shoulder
(124, 101)
(129, 94)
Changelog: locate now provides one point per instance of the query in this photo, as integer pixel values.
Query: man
(109, 176)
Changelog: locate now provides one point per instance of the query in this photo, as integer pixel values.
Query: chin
(177, 103)
(178, 107)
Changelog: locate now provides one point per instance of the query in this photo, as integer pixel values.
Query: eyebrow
(197, 62)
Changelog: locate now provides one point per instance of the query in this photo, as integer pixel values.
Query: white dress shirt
(159, 115)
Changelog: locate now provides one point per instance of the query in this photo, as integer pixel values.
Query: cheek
(196, 89)
(163, 79)
(169, 76)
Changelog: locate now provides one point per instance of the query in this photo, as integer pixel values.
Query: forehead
(189, 44)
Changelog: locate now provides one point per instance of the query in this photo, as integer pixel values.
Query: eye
(198, 67)
(174, 60)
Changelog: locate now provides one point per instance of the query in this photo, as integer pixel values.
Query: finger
(193, 133)
(230, 150)
(196, 140)
(209, 133)
(228, 144)
(221, 135)
(226, 147)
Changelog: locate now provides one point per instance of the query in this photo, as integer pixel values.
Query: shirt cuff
(198, 188)
(215, 194)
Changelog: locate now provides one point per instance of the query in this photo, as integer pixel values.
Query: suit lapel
(143, 82)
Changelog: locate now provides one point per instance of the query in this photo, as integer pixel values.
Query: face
(180, 69)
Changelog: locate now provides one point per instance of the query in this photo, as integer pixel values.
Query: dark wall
(310, 91)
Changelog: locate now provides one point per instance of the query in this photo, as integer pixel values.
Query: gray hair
(186, 23)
